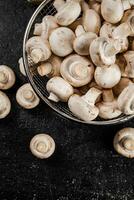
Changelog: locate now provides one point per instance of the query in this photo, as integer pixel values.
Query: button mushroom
(113, 10)
(42, 146)
(61, 41)
(83, 40)
(68, 12)
(77, 70)
(21, 66)
(7, 77)
(5, 105)
(84, 107)
(124, 82)
(38, 49)
(103, 51)
(50, 68)
(92, 25)
(26, 97)
(126, 100)
(59, 89)
(124, 142)
(107, 77)
(108, 108)
(45, 28)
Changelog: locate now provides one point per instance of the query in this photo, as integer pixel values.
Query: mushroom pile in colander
(86, 50)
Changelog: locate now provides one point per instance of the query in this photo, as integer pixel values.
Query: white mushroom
(26, 97)
(61, 41)
(7, 77)
(42, 146)
(113, 10)
(107, 77)
(91, 20)
(126, 100)
(107, 31)
(45, 28)
(103, 51)
(38, 49)
(124, 142)
(68, 12)
(5, 105)
(77, 70)
(124, 82)
(59, 89)
(21, 66)
(84, 107)
(50, 68)
(108, 108)
(83, 40)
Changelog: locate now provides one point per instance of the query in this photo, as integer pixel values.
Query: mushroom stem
(3, 77)
(108, 95)
(45, 69)
(111, 49)
(128, 144)
(42, 147)
(92, 95)
(78, 70)
(28, 95)
(53, 97)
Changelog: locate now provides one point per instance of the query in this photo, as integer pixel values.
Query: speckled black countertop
(84, 167)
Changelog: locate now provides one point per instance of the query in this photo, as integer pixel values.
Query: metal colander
(39, 83)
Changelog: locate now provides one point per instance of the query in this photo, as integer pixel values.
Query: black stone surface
(84, 167)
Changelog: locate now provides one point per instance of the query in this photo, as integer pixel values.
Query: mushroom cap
(90, 25)
(61, 41)
(26, 97)
(82, 43)
(7, 77)
(21, 66)
(44, 29)
(100, 54)
(81, 109)
(5, 105)
(42, 146)
(126, 100)
(124, 142)
(59, 89)
(107, 77)
(77, 70)
(38, 49)
(108, 110)
(68, 13)
(112, 11)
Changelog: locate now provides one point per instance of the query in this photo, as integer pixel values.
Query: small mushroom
(77, 70)
(124, 142)
(108, 108)
(42, 146)
(45, 28)
(50, 68)
(38, 49)
(113, 10)
(26, 97)
(68, 12)
(107, 31)
(124, 82)
(61, 41)
(59, 89)
(83, 40)
(126, 100)
(92, 25)
(5, 105)
(84, 107)
(103, 51)
(21, 66)
(7, 77)
(107, 77)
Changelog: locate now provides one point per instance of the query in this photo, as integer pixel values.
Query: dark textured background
(84, 167)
